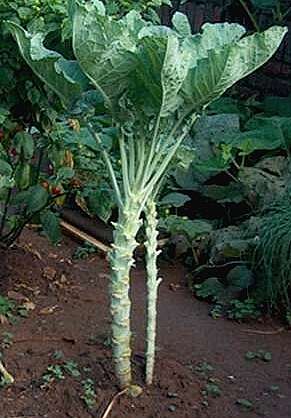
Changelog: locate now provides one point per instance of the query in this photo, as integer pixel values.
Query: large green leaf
(273, 105)
(174, 72)
(37, 199)
(222, 59)
(181, 24)
(266, 138)
(51, 225)
(175, 199)
(156, 66)
(192, 229)
(24, 145)
(148, 68)
(5, 168)
(105, 47)
(60, 75)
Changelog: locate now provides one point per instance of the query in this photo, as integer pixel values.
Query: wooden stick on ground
(261, 332)
(81, 235)
(76, 232)
(110, 406)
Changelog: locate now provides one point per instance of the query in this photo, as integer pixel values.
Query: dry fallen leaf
(48, 310)
(174, 287)
(28, 248)
(17, 296)
(54, 256)
(24, 286)
(62, 283)
(49, 273)
(3, 320)
(29, 306)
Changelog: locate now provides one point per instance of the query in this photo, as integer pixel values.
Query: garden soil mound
(201, 366)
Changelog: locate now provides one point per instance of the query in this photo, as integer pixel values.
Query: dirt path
(71, 322)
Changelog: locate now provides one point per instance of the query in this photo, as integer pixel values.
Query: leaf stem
(108, 164)
(152, 148)
(124, 166)
(250, 15)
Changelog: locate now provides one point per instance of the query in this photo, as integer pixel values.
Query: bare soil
(70, 316)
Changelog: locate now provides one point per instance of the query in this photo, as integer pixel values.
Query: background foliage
(236, 161)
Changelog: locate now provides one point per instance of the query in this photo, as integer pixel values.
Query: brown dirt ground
(71, 315)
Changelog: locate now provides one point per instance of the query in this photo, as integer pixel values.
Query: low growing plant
(89, 394)
(155, 82)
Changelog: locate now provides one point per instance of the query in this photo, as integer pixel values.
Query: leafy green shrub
(120, 7)
(240, 167)
(243, 310)
(34, 179)
(273, 255)
(20, 92)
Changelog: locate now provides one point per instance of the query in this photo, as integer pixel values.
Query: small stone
(134, 391)
(172, 408)
(172, 395)
(49, 273)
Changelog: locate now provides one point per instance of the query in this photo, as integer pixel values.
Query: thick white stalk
(121, 262)
(153, 283)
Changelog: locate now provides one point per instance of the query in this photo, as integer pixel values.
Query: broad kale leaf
(151, 69)
(64, 77)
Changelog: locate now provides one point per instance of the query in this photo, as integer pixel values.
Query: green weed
(84, 251)
(245, 404)
(204, 369)
(7, 307)
(243, 310)
(260, 354)
(71, 368)
(53, 373)
(89, 395)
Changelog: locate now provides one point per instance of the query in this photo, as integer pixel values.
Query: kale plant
(155, 82)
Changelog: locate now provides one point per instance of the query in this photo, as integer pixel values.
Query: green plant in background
(121, 7)
(20, 92)
(273, 254)
(155, 82)
(279, 9)
(27, 188)
(243, 310)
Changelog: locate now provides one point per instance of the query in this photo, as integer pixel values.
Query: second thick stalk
(153, 283)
